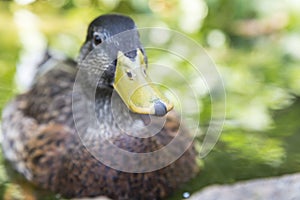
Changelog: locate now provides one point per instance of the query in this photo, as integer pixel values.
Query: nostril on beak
(160, 108)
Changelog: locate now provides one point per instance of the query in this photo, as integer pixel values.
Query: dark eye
(97, 39)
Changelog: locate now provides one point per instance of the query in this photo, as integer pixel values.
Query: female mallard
(72, 133)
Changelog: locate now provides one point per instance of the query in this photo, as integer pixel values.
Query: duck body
(53, 146)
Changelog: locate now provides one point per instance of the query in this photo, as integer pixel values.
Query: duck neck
(112, 114)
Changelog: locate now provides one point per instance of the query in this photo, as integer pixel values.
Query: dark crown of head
(111, 23)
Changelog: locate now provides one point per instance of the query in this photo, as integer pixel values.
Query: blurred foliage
(255, 44)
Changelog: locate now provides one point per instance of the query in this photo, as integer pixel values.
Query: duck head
(113, 54)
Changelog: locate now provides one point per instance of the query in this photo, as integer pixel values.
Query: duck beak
(136, 89)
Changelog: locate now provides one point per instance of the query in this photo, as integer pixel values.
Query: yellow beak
(136, 89)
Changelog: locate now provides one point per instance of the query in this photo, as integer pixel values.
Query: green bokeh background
(255, 45)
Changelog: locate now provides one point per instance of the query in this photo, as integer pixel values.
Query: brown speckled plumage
(40, 141)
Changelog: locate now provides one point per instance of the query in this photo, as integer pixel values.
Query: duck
(98, 125)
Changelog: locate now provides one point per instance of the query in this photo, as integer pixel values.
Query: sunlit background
(255, 45)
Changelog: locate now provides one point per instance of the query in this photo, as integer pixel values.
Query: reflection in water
(186, 195)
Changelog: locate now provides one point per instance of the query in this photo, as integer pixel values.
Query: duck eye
(97, 39)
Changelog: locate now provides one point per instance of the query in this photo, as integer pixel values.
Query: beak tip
(160, 108)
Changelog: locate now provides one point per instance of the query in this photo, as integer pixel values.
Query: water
(186, 195)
